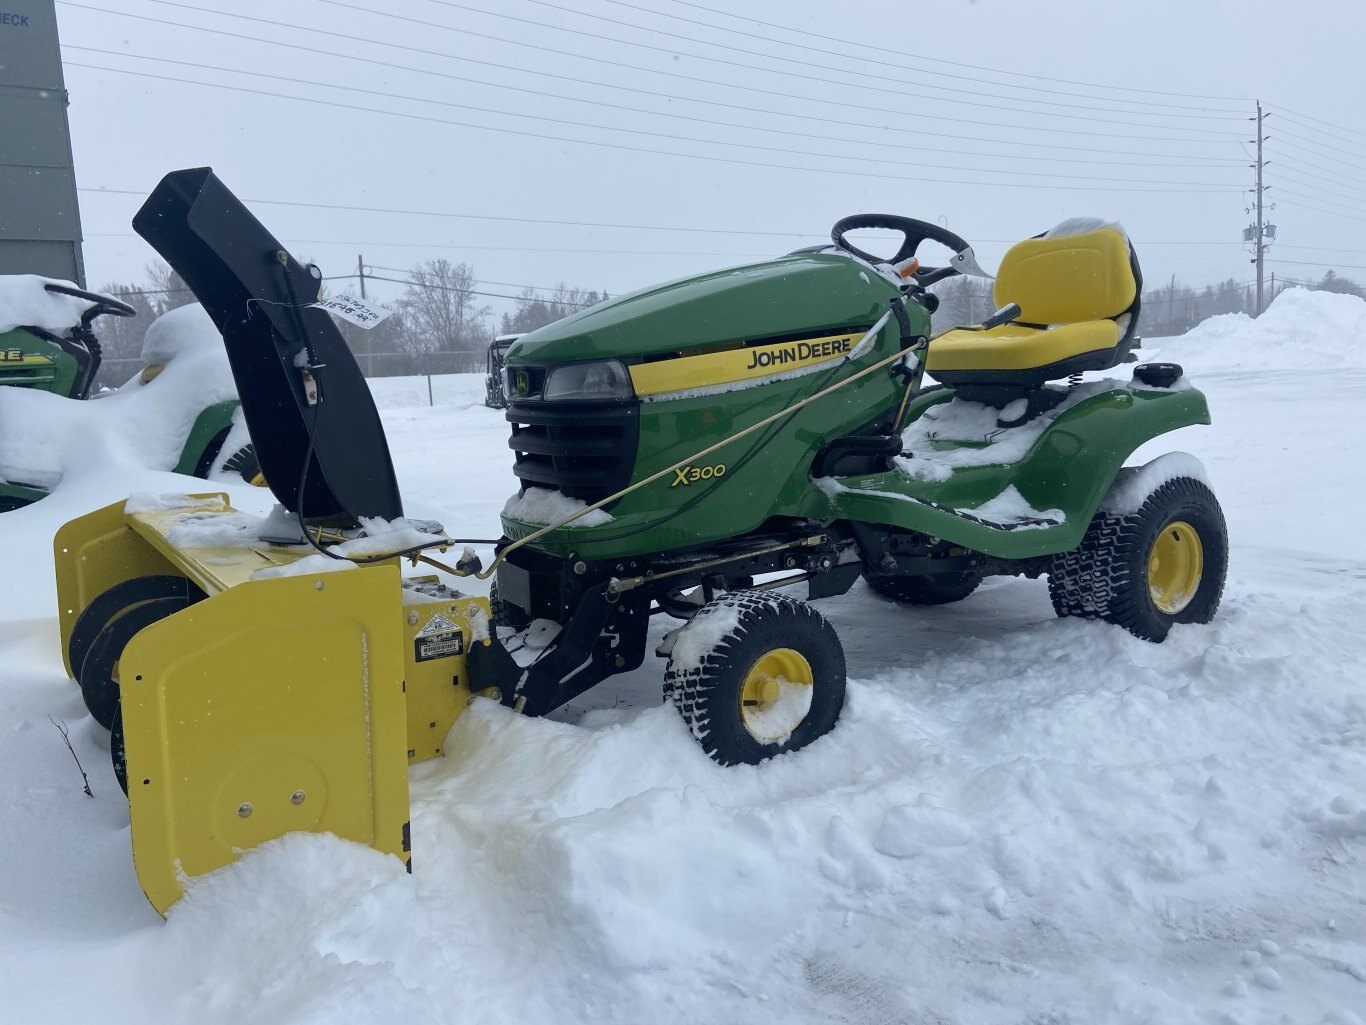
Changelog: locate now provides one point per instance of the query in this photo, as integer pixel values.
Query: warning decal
(440, 638)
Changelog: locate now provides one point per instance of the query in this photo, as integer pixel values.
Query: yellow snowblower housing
(1078, 296)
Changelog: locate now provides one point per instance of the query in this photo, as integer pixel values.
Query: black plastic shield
(259, 297)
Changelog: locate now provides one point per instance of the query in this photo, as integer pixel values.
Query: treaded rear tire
(941, 589)
(719, 648)
(505, 613)
(1106, 576)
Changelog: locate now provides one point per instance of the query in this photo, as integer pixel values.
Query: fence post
(430, 400)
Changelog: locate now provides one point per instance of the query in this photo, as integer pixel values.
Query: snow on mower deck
(1016, 491)
(256, 703)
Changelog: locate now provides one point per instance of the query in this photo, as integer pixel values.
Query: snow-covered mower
(685, 451)
(48, 343)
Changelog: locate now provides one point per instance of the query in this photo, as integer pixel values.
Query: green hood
(801, 294)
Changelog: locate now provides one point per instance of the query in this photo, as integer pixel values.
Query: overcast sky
(679, 136)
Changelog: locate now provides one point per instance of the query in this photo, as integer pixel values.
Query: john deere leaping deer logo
(686, 475)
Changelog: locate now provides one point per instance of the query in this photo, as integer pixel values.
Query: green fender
(213, 421)
(1069, 468)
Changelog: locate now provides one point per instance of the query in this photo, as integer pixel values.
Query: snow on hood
(45, 438)
(1300, 330)
(24, 302)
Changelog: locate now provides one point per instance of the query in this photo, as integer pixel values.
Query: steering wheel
(103, 303)
(914, 232)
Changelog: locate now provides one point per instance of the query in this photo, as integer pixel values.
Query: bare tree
(440, 314)
(535, 311)
(168, 289)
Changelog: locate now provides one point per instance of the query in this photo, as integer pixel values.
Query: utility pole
(1260, 233)
(360, 272)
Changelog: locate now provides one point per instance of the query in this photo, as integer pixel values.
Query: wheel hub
(1175, 566)
(776, 694)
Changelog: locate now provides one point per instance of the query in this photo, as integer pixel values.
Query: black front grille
(585, 450)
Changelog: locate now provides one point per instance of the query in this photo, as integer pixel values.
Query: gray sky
(755, 133)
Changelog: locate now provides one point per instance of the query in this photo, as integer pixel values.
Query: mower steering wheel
(915, 233)
(103, 303)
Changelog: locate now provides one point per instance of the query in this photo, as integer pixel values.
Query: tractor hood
(801, 294)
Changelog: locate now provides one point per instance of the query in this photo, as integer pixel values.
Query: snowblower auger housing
(260, 705)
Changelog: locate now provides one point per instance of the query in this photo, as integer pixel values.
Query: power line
(1205, 161)
(1322, 263)
(1353, 159)
(1329, 124)
(576, 124)
(749, 66)
(1301, 169)
(669, 97)
(1197, 187)
(1319, 190)
(449, 246)
(465, 291)
(1299, 202)
(957, 64)
(787, 95)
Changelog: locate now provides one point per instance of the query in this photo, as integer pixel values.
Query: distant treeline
(439, 325)
(1171, 309)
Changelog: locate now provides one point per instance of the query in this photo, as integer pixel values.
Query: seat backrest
(1064, 280)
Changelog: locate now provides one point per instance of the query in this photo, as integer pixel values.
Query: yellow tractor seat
(1078, 296)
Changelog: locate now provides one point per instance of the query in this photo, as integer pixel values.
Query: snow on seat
(1078, 289)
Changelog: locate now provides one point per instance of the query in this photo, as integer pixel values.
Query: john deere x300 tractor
(715, 452)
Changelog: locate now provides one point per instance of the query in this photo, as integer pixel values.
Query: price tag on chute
(353, 310)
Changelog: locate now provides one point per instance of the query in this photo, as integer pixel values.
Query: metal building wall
(40, 223)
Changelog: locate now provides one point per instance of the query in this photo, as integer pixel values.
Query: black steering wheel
(103, 303)
(914, 232)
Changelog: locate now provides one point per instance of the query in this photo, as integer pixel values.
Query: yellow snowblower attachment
(253, 693)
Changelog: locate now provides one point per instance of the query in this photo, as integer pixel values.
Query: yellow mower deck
(276, 704)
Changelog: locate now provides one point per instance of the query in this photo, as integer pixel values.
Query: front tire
(754, 674)
(1150, 569)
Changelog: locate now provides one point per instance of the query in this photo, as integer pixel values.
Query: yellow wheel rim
(776, 694)
(1175, 566)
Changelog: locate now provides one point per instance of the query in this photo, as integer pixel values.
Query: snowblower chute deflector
(696, 451)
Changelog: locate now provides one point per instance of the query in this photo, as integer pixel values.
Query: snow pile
(1300, 330)
(24, 302)
(45, 438)
(1018, 819)
(178, 330)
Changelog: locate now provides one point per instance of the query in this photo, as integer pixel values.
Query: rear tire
(940, 589)
(504, 613)
(754, 674)
(1148, 570)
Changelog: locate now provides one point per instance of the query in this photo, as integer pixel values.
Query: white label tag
(353, 310)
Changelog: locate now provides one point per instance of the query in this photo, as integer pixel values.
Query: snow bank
(1018, 819)
(24, 302)
(1300, 330)
(45, 439)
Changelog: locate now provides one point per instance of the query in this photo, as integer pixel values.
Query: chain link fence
(396, 392)
(428, 390)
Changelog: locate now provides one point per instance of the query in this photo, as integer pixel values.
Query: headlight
(605, 379)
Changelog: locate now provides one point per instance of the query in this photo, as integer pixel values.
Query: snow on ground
(1018, 819)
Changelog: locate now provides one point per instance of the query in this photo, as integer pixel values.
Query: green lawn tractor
(697, 452)
(55, 349)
